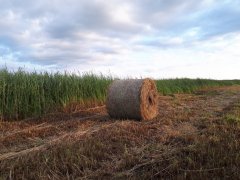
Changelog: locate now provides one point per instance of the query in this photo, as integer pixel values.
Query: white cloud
(159, 38)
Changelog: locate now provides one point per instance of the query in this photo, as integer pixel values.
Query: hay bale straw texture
(132, 99)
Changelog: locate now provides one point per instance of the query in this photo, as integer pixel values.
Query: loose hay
(133, 99)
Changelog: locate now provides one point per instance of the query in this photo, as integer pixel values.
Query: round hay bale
(132, 99)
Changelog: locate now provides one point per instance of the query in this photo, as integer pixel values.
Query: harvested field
(194, 136)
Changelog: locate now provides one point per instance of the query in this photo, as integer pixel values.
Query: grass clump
(233, 117)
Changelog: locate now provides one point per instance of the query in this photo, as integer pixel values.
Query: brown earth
(194, 136)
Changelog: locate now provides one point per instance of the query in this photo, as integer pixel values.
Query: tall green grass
(24, 94)
(31, 94)
(172, 86)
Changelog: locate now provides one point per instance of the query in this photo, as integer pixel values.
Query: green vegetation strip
(24, 94)
(31, 94)
(173, 86)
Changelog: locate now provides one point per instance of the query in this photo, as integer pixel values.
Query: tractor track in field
(62, 131)
(52, 142)
(183, 111)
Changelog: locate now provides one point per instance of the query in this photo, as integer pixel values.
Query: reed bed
(31, 94)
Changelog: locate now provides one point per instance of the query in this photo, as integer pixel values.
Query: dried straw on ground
(132, 99)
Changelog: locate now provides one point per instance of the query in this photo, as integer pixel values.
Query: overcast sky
(126, 38)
